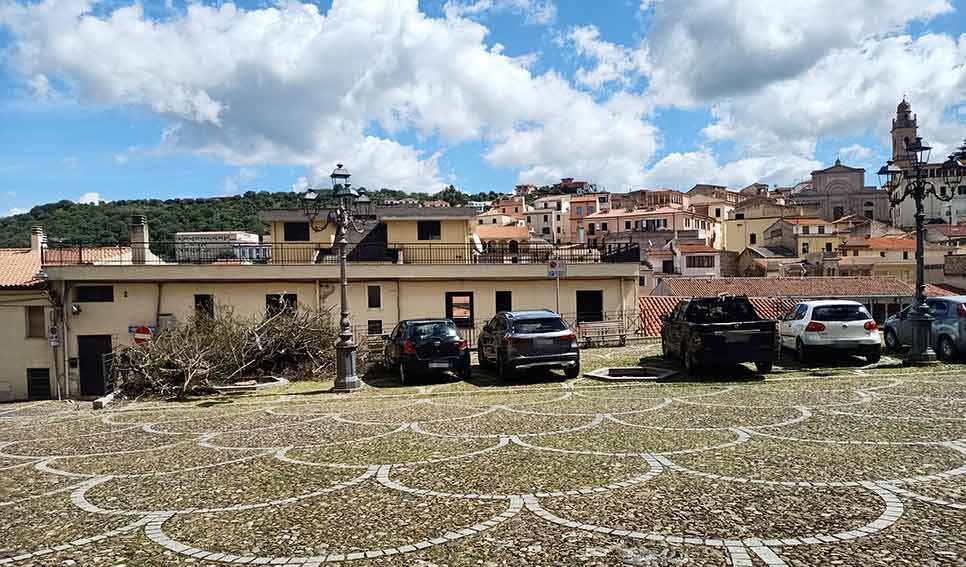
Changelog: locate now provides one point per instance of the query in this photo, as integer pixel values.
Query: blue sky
(115, 100)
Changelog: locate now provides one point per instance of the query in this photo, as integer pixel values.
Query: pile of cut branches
(209, 351)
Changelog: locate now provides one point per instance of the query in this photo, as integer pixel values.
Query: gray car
(948, 327)
(519, 340)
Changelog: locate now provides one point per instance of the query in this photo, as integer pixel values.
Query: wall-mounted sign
(556, 268)
(142, 334)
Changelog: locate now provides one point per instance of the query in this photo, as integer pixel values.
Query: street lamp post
(343, 216)
(911, 181)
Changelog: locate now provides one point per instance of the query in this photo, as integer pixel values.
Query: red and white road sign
(142, 335)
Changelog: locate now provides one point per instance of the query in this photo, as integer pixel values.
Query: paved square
(842, 464)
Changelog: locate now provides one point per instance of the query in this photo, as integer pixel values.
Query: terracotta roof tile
(948, 229)
(695, 249)
(19, 267)
(818, 286)
(652, 307)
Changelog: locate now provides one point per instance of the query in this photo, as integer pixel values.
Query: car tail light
(409, 348)
(461, 346)
(814, 327)
(571, 336)
(961, 310)
(507, 340)
(870, 326)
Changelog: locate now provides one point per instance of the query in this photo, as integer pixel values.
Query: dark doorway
(38, 383)
(91, 350)
(590, 305)
(504, 301)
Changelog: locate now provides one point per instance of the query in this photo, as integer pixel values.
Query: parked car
(719, 330)
(426, 346)
(948, 327)
(520, 340)
(843, 326)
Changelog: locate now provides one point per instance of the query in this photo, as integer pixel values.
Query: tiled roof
(19, 268)
(773, 251)
(888, 243)
(695, 249)
(499, 232)
(818, 286)
(71, 256)
(806, 221)
(943, 290)
(652, 307)
(948, 229)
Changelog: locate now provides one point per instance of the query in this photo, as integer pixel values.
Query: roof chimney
(139, 239)
(38, 239)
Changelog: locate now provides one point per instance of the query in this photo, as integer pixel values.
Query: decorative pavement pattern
(856, 467)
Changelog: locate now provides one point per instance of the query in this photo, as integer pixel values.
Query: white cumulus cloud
(90, 198)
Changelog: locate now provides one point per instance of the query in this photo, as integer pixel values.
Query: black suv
(519, 340)
(427, 346)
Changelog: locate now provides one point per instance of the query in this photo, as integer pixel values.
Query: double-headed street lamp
(912, 180)
(341, 211)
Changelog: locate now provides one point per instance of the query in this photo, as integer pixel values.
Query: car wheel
(466, 374)
(873, 356)
(947, 349)
(891, 340)
(763, 367)
(572, 372)
(484, 363)
(690, 364)
(801, 351)
(505, 371)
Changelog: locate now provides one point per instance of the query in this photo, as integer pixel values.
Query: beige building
(890, 256)
(407, 263)
(550, 218)
(750, 219)
(839, 191)
(600, 225)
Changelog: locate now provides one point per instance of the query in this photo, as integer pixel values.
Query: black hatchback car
(519, 340)
(427, 346)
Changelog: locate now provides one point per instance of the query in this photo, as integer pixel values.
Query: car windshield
(437, 330)
(545, 325)
(721, 311)
(840, 313)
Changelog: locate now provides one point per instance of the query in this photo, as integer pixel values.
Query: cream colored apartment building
(407, 262)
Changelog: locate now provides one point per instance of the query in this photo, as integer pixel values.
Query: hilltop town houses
(63, 309)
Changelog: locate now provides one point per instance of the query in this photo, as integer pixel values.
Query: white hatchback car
(843, 326)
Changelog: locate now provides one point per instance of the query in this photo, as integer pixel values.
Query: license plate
(543, 342)
(737, 338)
(439, 365)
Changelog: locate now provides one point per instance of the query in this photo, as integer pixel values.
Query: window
(828, 246)
(558, 218)
(739, 216)
(542, 325)
(667, 266)
(753, 238)
(374, 297)
(845, 312)
(36, 323)
(806, 230)
(94, 294)
(276, 303)
(296, 231)
(821, 229)
(558, 230)
(590, 209)
(205, 304)
(838, 212)
(546, 218)
(687, 222)
(882, 254)
(603, 226)
(491, 222)
(579, 211)
(459, 307)
(481, 221)
(717, 212)
(591, 228)
(700, 261)
(642, 281)
(805, 248)
(627, 225)
(374, 327)
(504, 301)
(905, 255)
(855, 252)
(430, 230)
(546, 230)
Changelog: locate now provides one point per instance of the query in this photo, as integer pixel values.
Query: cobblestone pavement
(840, 465)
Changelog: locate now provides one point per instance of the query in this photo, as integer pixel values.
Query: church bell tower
(904, 131)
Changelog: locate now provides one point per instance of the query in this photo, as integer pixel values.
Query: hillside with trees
(106, 223)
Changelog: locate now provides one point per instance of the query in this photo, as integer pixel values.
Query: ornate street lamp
(911, 181)
(342, 214)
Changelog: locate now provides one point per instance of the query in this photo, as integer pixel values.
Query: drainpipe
(157, 307)
(65, 335)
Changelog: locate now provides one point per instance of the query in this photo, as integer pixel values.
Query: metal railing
(227, 253)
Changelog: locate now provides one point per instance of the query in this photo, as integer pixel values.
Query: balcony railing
(226, 253)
